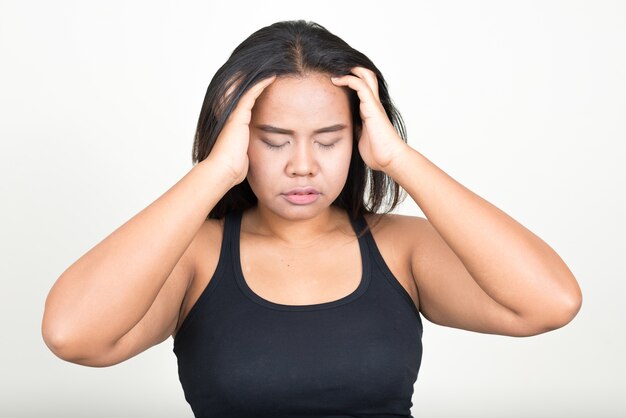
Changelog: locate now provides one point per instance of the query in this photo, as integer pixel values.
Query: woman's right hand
(231, 146)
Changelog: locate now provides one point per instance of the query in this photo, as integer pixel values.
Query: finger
(247, 100)
(366, 96)
(369, 77)
(250, 96)
(261, 85)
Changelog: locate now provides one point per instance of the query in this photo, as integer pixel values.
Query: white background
(522, 102)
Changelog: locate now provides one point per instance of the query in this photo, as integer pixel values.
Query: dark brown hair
(296, 48)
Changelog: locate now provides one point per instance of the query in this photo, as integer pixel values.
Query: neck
(300, 233)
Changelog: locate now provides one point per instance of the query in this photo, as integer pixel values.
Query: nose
(302, 161)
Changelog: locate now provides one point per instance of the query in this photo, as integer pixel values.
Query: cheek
(343, 161)
(260, 166)
(255, 159)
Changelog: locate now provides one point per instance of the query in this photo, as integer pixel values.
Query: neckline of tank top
(357, 226)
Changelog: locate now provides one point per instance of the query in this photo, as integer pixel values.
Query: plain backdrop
(522, 102)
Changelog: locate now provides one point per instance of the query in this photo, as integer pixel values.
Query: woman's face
(300, 136)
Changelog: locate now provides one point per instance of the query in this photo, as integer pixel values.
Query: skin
(279, 162)
(289, 251)
(473, 267)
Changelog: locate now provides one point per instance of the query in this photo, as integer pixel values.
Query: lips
(302, 191)
(302, 196)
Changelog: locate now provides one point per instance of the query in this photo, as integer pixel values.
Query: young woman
(287, 289)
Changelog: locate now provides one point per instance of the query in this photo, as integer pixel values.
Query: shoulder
(406, 227)
(416, 234)
(413, 236)
(406, 234)
(396, 238)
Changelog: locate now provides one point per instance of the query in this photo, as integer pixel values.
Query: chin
(294, 212)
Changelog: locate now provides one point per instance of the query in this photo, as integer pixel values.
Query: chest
(306, 276)
(250, 356)
(242, 357)
(301, 276)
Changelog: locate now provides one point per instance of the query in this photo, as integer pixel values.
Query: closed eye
(277, 147)
(273, 147)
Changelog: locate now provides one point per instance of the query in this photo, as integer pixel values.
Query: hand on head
(231, 146)
(379, 143)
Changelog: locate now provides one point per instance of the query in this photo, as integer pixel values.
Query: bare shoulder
(397, 237)
(418, 239)
(406, 229)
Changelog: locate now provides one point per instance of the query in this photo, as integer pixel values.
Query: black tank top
(240, 355)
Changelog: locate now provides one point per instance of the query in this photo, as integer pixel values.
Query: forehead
(312, 99)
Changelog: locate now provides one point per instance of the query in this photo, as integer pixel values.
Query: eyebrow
(277, 130)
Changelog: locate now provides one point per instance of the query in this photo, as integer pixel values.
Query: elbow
(68, 348)
(562, 313)
(566, 305)
(72, 352)
(61, 344)
(64, 341)
(556, 313)
(56, 336)
(57, 344)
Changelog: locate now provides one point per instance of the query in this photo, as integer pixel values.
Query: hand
(231, 146)
(379, 143)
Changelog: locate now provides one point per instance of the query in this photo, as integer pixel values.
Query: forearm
(108, 290)
(510, 263)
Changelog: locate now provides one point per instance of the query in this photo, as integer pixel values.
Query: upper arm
(161, 318)
(449, 296)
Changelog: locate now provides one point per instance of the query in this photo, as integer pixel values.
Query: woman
(287, 290)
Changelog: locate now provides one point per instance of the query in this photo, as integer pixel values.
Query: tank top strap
(232, 225)
(237, 353)
(373, 252)
(360, 227)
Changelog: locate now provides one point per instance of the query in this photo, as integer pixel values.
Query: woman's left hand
(379, 143)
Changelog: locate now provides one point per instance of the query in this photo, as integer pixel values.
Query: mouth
(302, 195)
(302, 191)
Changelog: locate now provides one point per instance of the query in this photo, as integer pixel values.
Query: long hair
(297, 48)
